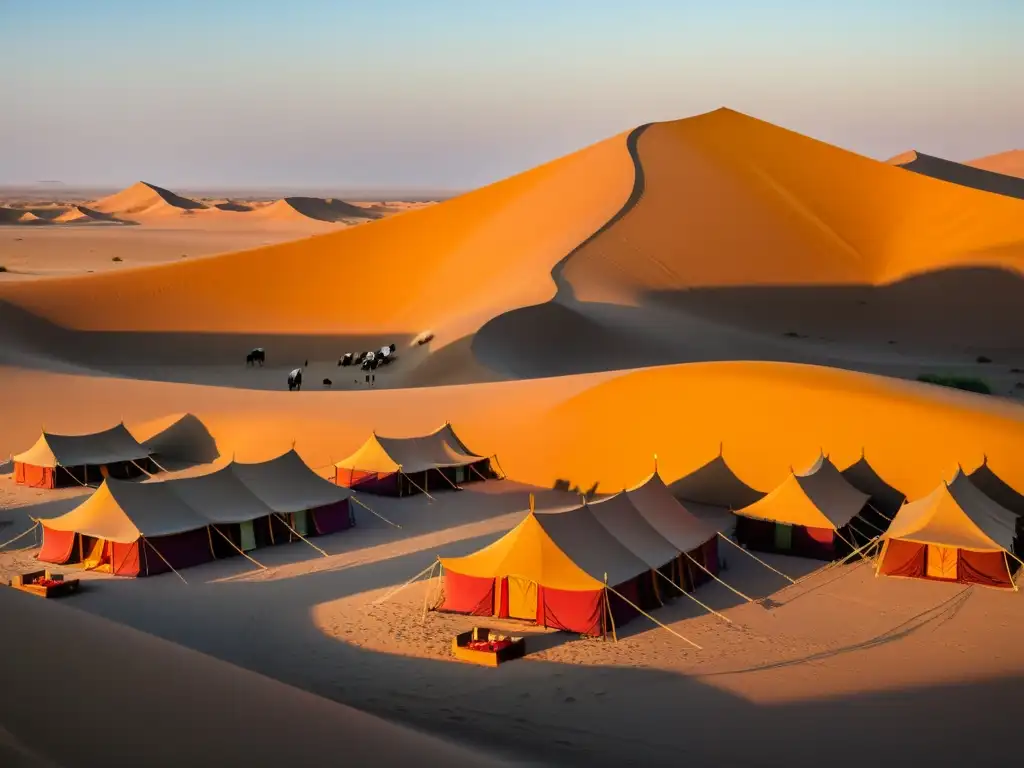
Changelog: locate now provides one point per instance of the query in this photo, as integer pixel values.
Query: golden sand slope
(449, 267)
(80, 214)
(144, 199)
(964, 174)
(1010, 163)
(591, 428)
(731, 200)
(317, 208)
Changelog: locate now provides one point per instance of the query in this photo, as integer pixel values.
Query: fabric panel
(987, 568)
(903, 558)
(58, 546)
(127, 559)
(941, 562)
(332, 518)
(579, 612)
(181, 550)
(522, 598)
(710, 552)
(33, 476)
(468, 594)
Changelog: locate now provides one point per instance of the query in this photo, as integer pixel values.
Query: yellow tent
(955, 533)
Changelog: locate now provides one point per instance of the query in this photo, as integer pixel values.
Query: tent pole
(150, 545)
(698, 602)
(504, 474)
(238, 549)
(20, 535)
(642, 611)
(608, 607)
(314, 546)
(755, 557)
(416, 486)
(398, 589)
(373, 512)
(426, 592)
(709, 573)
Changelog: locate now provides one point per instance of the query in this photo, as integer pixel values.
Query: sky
(453, 94)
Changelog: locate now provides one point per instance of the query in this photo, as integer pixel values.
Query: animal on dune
(295, 379)
(327, 382)
(258, 355)
(346, 359)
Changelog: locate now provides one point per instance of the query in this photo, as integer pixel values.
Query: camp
(142, 529)
(809, 514)
(401, 466)
(955, 533)
(59, 461)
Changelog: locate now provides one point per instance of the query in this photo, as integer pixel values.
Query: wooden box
(26, 583)
(462, 647)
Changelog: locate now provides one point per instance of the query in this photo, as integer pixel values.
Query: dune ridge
(964, 174)
(316, 208)
(1009, 163)
(145, 199)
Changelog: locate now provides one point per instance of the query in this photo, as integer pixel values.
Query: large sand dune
(317, 208)
(145, 199)
(1008, 163)
(965, 174)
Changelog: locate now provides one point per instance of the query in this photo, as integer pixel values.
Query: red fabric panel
(332, 518)
(697, 574)
(821, 535)
(904, 558)
(368, 482)
(125, 559)
(33, 476)
(503, 600)
(983, 568)
(710, 552)
(572, 611)
(468, 594)
(58, 546)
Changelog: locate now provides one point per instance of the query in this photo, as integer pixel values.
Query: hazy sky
(457, 93)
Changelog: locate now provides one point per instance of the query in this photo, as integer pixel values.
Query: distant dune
(318, 208)
(967, 175)
(1007, 163)
(80, 214)
(144, 199)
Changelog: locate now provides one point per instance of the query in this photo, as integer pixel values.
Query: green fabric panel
(783, 536)
(248, 536)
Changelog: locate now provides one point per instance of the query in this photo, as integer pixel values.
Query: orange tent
(955, 533)
(57, 461)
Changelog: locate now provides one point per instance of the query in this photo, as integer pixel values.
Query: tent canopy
(862, 476)
(820, 497)
(623, 521)
(956, 514)
(287, 484)
(440, 449)
(108, 447)
(671, 519)
(219, 497)
(527, 551)
(716, 485)
(121, 511)
(997, 489)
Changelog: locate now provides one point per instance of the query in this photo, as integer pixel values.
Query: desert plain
(711, 285)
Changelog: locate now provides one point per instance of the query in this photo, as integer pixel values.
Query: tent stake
(150, 545)
(755, 557)
(238, 549)
(642, 611)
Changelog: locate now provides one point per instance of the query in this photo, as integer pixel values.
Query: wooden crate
(24, 582)
(462, 652)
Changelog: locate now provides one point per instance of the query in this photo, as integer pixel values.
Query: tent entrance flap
(522, 598)
(301, 522)
(248, 536)
(941, 562)
(783, 536)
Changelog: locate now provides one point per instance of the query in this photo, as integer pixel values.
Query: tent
(865, 478)
(695, 539)
(57, 461)
(313, 506)
(809, 514)
(400, 466)
(1003, 494)
(555, 569)
(715, 485)
(139, 529)
(955, 533)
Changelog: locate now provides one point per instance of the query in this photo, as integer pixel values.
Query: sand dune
(317, 208)
(963, 174)
(144, 199)
(80, 214)
(1008, 163)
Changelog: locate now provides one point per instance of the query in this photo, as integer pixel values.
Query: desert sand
(966, 174)
(714, 281)
(1010, 163)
